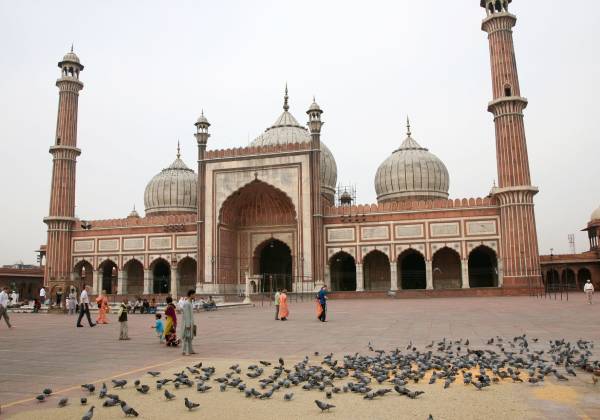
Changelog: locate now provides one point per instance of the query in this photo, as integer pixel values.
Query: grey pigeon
(47, 391)
(143, 389)
(190, 405)
(288, 397)
(129, 411)
(119, 383)
(153, 373)
(323, 406)
(63, 401)
(89, 414)
(41, 398)
(90, 387)
(222, 387)
(168, 395)
(83, 401)
(110, 402)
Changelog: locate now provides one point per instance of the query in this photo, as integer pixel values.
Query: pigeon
(190, 405)
(137, 382)
(89, 414)
(288, 397)
(83, 401)
(202, 388)
(113, 397)
(168, 395)
(265, 363)
(129, 411)
(154, 374)
(41, 398)
(47, 391)
(63, 402)
(103, 391)
(120, 383)
(110, 402)
(90, 387)
(281, 361)
(328, 395)
(143, 389)
(223, 387)
(414, 394)
(323, 406)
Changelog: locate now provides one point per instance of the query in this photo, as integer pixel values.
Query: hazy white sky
(151, 66)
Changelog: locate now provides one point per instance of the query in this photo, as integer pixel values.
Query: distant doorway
(275, 266)
(342, 271)
(161, 274)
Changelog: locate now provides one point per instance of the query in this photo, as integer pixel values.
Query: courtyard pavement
(48, 350)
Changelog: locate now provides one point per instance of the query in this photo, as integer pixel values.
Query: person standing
(171, 324)
(123, 333)
(589, 291)
(43, 295)
(84, 308)
(102, 302)
(322, 304)
(15, 297)
(72, 302)
(4, 306)
(188, 324)
(283, 306)
(277, 297)
(59, 294)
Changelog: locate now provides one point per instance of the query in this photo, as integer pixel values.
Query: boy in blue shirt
(159, 328)
(322, 300)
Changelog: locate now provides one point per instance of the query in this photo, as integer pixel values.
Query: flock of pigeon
(394, 372)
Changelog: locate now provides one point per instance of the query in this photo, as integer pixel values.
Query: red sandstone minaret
(202, 136)
(62, 193)
(519, 247)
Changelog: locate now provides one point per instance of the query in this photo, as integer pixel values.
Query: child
(123, 320)
(159, 328)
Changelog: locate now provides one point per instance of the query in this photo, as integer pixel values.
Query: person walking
(84, 308)
(59, 294)
(43, 295)
(123, 332)
(171, 324)
(283, 306)
(189, 329)
(102, 302)
(322, 304)
(4, 306)
(277, 297)
(589, 291)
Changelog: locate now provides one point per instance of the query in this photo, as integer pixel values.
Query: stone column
(500, 273)
(121, 283)
(148, 282)
(393, 276)
(328, 276)
(464, 265)
(429, 274)
(174, 283)
(95, 282)
(360, 280)
(248, 290)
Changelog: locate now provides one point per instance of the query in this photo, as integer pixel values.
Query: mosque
(272, 215)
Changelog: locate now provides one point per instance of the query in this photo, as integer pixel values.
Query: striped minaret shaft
(202, 136)
(519, 247)
(61, 216)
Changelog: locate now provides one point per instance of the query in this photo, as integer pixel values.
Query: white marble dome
(286, 129)
(411, 173)
(595, 215)
(173, 190)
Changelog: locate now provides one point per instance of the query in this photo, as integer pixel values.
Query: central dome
(286, 129)
(411, 173)
(173, 190)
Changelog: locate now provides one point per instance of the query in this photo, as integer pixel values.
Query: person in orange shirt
(102, 302)
(283, 306)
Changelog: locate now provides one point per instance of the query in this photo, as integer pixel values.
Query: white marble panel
(481, 227)
(340, 235)
(134, 244)
(409, 231)
(375, 232)
(160, 242)
(187, 241)
(108, 245)
(83, 245)
(444, 229)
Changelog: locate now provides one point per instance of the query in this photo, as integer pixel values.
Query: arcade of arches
(573, 278)
(411, 271)
(162, 277)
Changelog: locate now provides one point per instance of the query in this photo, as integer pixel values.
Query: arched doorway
(109, 272)
(274, 265)
(187, 275)
(161, 277)
(411, 266)
(134, 271)
(552, 280)
(568, 279)
(83, 276)
(483, 267)
(376, 266)
(583, 275)
(342, 272)
(446, 269)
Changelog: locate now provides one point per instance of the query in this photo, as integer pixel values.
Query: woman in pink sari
(102, 302)
(283, 306)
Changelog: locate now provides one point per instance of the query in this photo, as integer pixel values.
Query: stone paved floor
(47, 349)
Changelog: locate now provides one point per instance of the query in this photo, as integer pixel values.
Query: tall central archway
(257, 208)
(342, 269)
(161, 274)
(411, 266)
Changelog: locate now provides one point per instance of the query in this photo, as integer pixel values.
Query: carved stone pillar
(95, 282)
(429, 274)
(360, 280)
(174, 283)
(148, 282)
(393, 276)
(464, 264)
(122, 282)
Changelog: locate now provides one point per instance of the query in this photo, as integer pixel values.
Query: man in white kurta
(188, 324)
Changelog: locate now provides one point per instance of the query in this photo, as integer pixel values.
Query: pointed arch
(447, 273)
(376, 270)
(186, 267)
(411, 269)
(133, 274)
(273, 261)
(108, 272)
(483, 267)
(161, 276)
(342, 271)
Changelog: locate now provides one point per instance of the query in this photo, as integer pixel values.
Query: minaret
(519, 247)
(202, 136)
(314, 124)
(61, 216)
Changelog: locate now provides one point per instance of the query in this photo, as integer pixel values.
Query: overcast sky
(151, 66)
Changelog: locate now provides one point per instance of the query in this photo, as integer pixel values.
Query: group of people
(282, 310)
